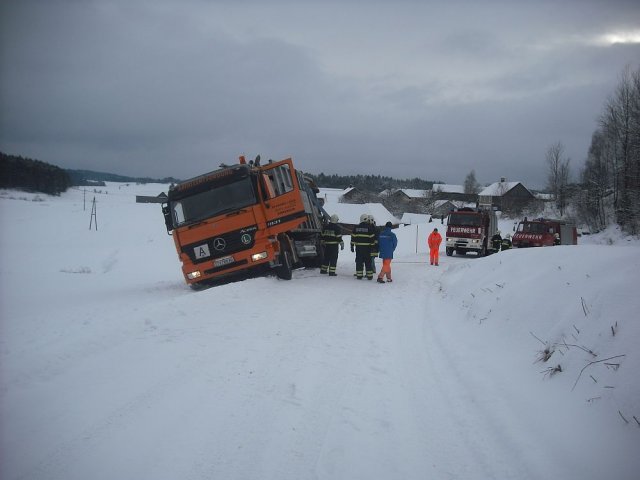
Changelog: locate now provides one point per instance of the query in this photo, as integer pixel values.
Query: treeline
(32, 175)
(89, 177)
(611, 175)
(369, 183)
(37, 176)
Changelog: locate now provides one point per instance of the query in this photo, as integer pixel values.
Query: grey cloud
(175, 88)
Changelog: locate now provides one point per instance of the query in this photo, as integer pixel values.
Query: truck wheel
(285, 271)
(449, 251)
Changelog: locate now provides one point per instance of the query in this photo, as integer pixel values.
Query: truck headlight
(259, 256)
(194, 275)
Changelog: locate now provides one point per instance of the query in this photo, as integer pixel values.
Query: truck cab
(244, 217)
(470, 230)
(544, 232)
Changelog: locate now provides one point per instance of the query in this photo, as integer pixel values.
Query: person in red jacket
(434, 241)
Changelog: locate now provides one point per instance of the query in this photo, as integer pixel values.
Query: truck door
(280, 192)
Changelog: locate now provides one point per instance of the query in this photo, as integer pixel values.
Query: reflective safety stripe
(331, 235)
(363, 239)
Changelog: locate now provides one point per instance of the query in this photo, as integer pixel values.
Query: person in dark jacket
(362, 241)
(506, 243)
(331, 239)
(496, 241)
(375, 248)
(388, 242)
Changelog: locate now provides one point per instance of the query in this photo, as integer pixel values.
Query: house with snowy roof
(444, 191)
(404, 194)
(506, 196)
(336, 195)
(349, 213)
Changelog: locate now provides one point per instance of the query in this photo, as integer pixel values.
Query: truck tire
(285, 270)
(449, 251)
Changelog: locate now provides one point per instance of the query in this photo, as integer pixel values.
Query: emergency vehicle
(470, 230)
(544, 232)
(245, 217)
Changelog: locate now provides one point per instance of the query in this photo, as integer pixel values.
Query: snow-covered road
(113, 369)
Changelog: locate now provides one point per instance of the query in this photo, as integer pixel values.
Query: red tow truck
(544, 232)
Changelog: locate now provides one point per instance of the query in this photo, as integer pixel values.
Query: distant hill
(19, 172)
(92, 178)
(38, 176)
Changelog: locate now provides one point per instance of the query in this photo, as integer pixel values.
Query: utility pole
(94, 215)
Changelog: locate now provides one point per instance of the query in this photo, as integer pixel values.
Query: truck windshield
(209, 203)
(465, 219)
(533, 228)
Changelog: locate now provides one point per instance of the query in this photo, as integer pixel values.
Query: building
(506, 196)
(161, 198)
(443, 191)
(349, 213)
(443, 207)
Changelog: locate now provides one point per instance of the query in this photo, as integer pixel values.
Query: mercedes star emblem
(219, 243)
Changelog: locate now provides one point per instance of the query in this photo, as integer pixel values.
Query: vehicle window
(216, 201)
(464, 219)
(278, 181)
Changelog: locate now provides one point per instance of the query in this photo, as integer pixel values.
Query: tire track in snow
(479, 405)
(288, 422)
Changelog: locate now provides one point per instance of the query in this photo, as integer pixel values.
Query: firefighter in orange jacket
(434, 241)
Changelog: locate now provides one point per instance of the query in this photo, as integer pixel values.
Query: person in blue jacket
(387, 242)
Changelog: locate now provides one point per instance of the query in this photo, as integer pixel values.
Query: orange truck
(243, 218)
(544, 232)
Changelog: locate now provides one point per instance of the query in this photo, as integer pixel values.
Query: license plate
(218, 262)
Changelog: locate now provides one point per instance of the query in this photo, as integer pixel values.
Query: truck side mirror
(168, 222)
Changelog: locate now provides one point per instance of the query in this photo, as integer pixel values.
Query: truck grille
(222, 245)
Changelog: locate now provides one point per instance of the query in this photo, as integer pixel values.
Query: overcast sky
(401, 88)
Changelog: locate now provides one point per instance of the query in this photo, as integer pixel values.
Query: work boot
(332, 274)
(380, 280)
(389, 280)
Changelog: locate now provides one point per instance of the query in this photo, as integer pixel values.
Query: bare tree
(471, 185)
(596, 180)
(621, 124)
(558, 174)
(611, 175)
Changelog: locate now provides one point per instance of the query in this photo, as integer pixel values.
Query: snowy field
(112, 368)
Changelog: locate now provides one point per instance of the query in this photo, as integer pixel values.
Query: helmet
(372, 220)
(364, 218)
(334, 218)
(498, 232)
